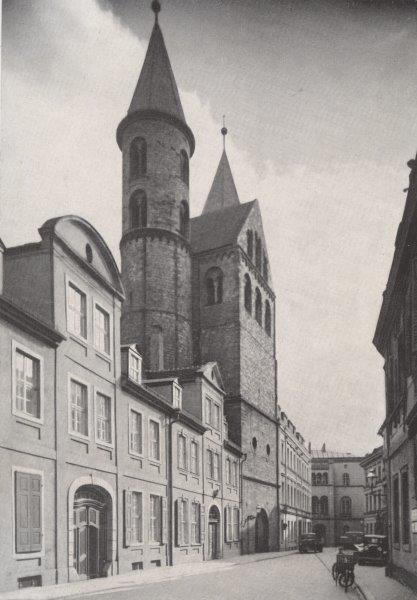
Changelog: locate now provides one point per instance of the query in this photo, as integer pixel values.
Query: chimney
(309, 447)
(323, 448)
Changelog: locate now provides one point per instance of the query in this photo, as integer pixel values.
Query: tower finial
(156, 7)
(224, 132)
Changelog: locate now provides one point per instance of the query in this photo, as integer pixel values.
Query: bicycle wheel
(334, 571)
(346, 579)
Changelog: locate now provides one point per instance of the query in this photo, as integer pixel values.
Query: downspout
(242, 460)
(170, 494)
(278, 485)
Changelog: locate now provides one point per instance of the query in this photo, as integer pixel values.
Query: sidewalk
(374, 585)
(82, 589)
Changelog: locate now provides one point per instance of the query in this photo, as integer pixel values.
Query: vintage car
(374, 550)
(310, 542)
(351, 540)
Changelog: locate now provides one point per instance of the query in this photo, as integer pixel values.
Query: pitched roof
(218, 228)
(156, 88)
(223, 191)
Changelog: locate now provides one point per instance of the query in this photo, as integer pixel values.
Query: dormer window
(177, 396)
(135, 366)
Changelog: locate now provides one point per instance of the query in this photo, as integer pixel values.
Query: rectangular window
(183, 521)
(228, 471)
(176, 396)
(155, 450)
(137, 518)
(216, 466)
(405, 508)
(155, 519)
(396, 510)
(229, 524)
(103, 418)
(208, 411)
(28, 519)
(79, 408)
(236, 524)
(101, 329)
(27, 384)
(182, 452)
(235, 473)
(194, 458)
(135, 367)
(195, 523)
(135, 432)
(216, 416)
(77, 311)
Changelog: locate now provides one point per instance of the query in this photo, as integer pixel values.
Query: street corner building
(139, 424)
(338, 494)
(396, 340)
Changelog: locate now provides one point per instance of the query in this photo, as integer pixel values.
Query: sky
(320, 104)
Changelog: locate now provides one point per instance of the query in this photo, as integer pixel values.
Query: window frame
(133, 354)
(134, 409)
(39, 553)
(18, 347)
(98, 391)
(184, 524)
(183, 436)
(137, 543)
(195, 526)
(76, 379)
(194, 442)
(235, 524)
(71, 284)
(97, 306)
(158, 422)
(152, 517)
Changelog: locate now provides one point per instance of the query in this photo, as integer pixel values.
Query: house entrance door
(213, 550)
(89, 535)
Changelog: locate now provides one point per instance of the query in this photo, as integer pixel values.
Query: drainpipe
(242, 460)
(170, 490)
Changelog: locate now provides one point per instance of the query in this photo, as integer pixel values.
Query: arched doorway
(213, 548)
(320, 531)
(261, 532)
(92, 531)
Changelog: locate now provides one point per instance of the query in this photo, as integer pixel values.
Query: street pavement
(291, 577)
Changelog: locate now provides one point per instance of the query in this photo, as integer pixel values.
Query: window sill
(155, 462)
(25, 419)
(105, 445)
(28, 555)
(136, 546)
(136, 456)
(77, 338)
(79, 437)
(103, 355)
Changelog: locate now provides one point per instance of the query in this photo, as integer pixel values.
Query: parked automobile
(374, 550)
(351, 540)
(310, 542)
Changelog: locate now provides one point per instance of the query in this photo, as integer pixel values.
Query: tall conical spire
(156, 88)
(223, 191)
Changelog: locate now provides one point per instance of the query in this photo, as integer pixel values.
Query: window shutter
(186, 509)
(226, 524)
(22, 512)
(35, 513)
(164, 521)
(414, 307)
(177, 523)
(202, 523)
(128, 517)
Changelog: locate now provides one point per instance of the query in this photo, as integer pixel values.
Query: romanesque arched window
(138, 210)
(324, 505)
(315, 505)
(318, 478)
(248, 294)
(184, 167)
(184, 219)
(268, 325)
(258, 252)
(138, 158)
(346, 479)
(265, 268)
(249, 243)
(214, 286)
(258, 306)
(345, 506)
(325, 479)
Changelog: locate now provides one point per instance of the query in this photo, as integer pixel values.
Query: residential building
(338, 499)
(396, 340)
(295, 480)
(375, 518)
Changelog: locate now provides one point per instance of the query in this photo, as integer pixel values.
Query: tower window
(249, 243)
(184, 219)
(156, 353)
(248, 294)
(268, 317)
(138, 158)
(258, 306)
(185, 169)
(214, 286)
(138, 210)
(265, 268)
(258, 252)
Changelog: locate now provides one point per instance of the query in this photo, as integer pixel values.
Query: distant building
(338, 500)
(375, 518)
(396, 340)
(295, 479)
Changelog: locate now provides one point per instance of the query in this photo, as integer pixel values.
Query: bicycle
(343, 570)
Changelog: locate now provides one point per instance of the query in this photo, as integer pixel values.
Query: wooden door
(212, 541)
(81, 542)
(93, 542)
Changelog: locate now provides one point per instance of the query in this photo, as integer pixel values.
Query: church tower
(156, 145)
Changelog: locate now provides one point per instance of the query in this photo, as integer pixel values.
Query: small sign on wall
(414, 515)
(414, 527)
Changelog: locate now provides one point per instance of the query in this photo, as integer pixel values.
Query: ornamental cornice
(153, 233)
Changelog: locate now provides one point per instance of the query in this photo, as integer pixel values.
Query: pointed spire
(156, 88)
(223, 191)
